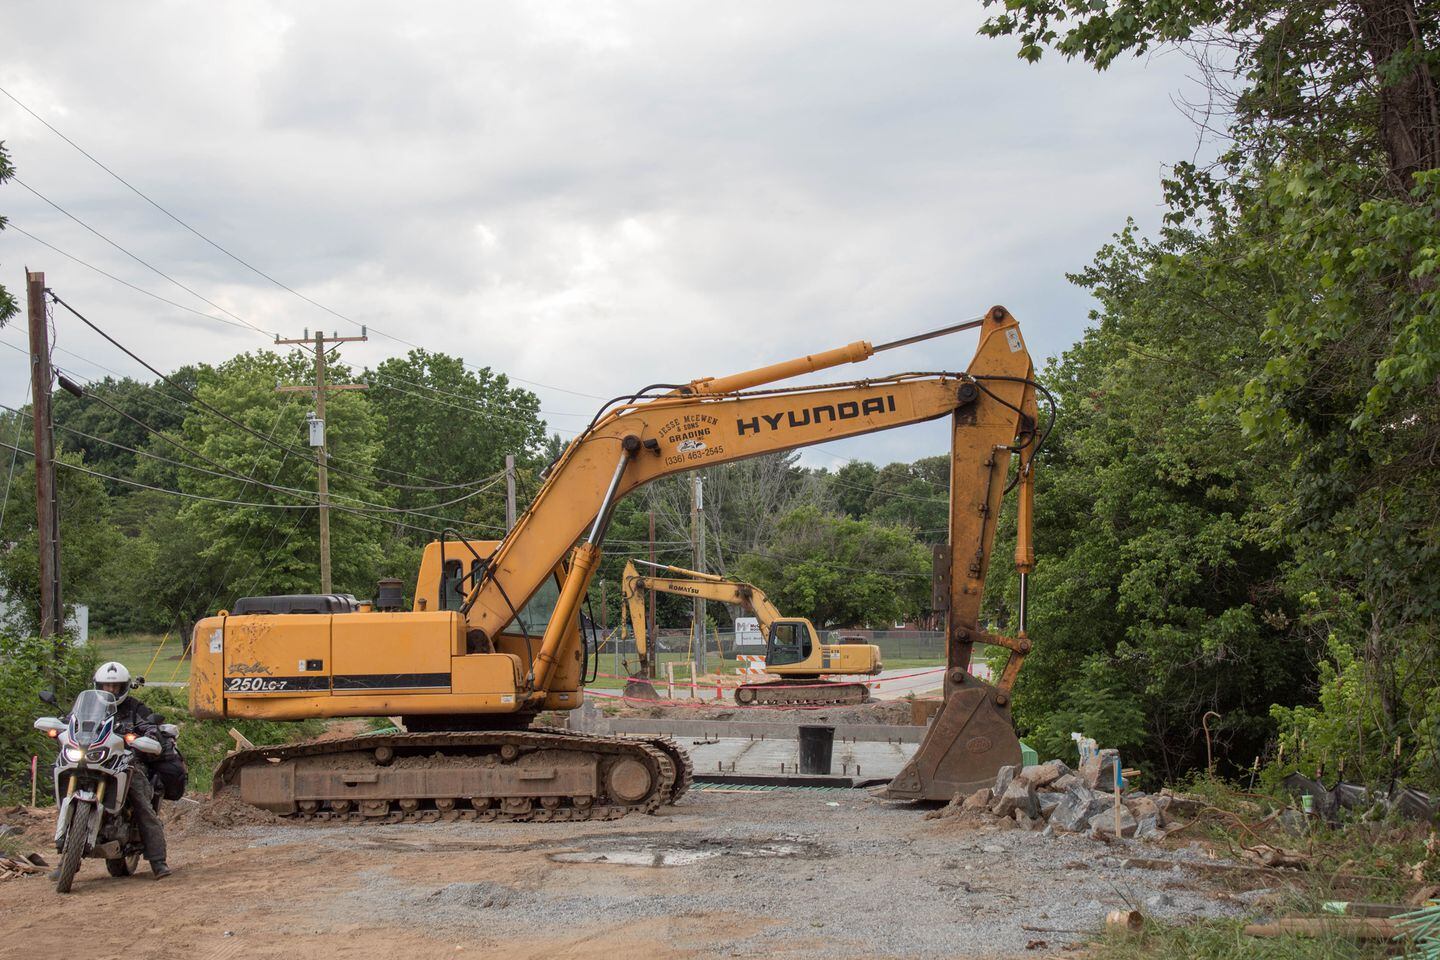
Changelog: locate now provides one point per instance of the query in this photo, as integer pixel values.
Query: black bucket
(817, 744)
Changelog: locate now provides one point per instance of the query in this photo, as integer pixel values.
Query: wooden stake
(1118, 778)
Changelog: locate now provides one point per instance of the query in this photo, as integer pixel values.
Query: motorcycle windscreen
(92, 718)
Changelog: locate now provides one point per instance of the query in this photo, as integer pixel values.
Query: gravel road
(802, 874)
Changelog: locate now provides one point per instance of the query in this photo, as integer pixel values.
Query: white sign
(747, 632)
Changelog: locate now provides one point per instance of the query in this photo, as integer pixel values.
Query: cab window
(535, 615)
(452, 588)
(789, 643)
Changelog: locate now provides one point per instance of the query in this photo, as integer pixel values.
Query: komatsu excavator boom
(467, 681)
(793, 650)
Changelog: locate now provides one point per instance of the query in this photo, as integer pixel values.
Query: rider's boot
(160, 869)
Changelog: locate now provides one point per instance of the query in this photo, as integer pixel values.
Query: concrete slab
(756, 729)
(781, 757)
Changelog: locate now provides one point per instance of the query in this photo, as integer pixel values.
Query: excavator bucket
(640, 688)
(966, 745)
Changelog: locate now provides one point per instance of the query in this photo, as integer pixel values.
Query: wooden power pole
(47, 500)
(317, 432)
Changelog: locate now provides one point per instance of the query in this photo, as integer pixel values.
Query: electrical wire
(148, 397)
(10, 225)
(233, 256)
(240, 503)
(14, 455)
(215, 410)
(227, 474)
(237, 320)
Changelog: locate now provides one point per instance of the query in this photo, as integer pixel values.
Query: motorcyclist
(133, 716)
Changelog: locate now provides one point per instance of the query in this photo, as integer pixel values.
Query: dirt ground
(798, 873)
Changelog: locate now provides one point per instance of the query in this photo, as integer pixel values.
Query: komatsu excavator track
(540, 775)
(802, 693)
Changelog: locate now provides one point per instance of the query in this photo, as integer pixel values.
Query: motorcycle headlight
(74, 754)
(98, 755)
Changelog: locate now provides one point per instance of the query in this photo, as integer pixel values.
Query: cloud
(590, 195)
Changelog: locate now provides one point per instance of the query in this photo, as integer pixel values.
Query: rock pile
(1054, 798)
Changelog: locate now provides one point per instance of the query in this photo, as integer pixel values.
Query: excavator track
(540, 775)
(802, 693)
(684, 766)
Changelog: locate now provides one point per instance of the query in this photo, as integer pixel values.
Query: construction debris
(1371, 802)
(1358, 928)
(1052, 797)
(12, 867)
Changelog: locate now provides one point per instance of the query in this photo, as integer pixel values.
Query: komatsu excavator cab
(790, 642)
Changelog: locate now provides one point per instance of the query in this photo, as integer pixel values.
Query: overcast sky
(591, 196)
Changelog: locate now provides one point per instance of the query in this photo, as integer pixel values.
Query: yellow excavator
(468, 676)
(793, 650)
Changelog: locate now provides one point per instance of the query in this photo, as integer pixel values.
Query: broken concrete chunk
(1003, 778)
(1044, 774)
(1065, 783)
(1143, 806)
(1098, 773)
(979, 800)
(1103, 823)
(1075, 809)
(1182, 805)
(1146, 828)
(1048, 803)
(1017, 796)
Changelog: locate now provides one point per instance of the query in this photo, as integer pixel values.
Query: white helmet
(114, 672)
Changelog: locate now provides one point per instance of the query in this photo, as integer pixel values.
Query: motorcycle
(92, 779)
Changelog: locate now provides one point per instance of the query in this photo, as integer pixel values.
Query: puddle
(638, 858)
(684, 854)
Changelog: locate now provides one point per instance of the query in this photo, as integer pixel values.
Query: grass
(137, 650)
(1225, 940)
(1381, 861)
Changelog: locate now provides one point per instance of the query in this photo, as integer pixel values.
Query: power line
(875, 488)
(209, 316)
(225, 473)
(149, 397)
(245, 263)
(220, 413)
(238, 320)
(15, 454)
(124, 283)
(236, 503)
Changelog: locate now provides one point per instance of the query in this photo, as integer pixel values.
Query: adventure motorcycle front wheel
(75, 835)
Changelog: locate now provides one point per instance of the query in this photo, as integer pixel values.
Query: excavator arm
(710, 422)
(691, 583)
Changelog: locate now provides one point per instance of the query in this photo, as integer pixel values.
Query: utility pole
(47, 500)
(317, 433)
(652, 653)
(509, 492)
(697, 540)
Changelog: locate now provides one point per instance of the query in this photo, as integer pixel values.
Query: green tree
(250, 545)
(113, 415)
(8, 306)
(841, 572)
(1313, 246)
(442, 421)
(1159, 592)
(87, 540)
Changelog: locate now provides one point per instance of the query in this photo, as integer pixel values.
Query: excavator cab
(790, 642)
